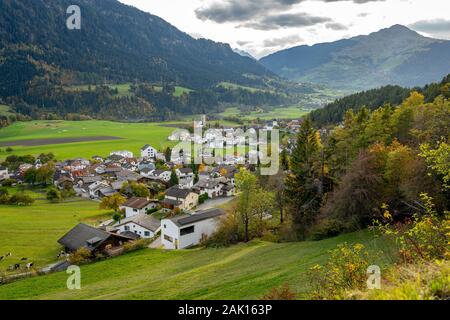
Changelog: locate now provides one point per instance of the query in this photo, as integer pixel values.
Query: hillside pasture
(32, 231)
(244, 271)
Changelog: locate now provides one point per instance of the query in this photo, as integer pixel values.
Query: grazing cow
(24, 259)
(16, 266)
(1, 258)
(30, 265)
(8, 254)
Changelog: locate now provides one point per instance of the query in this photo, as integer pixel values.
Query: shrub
(283, 293)
(4, 196)
(54, 195)
(327, 228)
(80, 256)
(21, 199)
(426, 237)
(136, 245)
(423, 281)
(345, 270)
(226, 234)
(203, 198)
(8, 182)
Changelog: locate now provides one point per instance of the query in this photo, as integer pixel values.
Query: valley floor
(245, 271)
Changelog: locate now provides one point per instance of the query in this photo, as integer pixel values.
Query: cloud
(282, 42)
(244, 10)
(285, 20)
(336, 26)
(243, 43)
(437, 27)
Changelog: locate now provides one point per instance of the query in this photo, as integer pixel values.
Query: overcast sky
(261, 27)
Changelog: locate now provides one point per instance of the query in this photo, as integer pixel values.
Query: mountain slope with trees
(392, 56)
(48, 71)
(334, 112)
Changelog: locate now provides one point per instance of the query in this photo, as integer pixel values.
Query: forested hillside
(43, 65)
(334, 112)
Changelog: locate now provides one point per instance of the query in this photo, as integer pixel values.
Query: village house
(146, 165)
(122, 153)
(163, 175)
(182, 199)
(148, 151)
(189, 230)
(135, 206)
(92, 239)
(4, 174)
(146, 172)
(211, 187)
(139, 226)
(93, 190)
(185, 177)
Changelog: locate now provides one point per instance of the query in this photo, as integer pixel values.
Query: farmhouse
(93, 239)
(136, 206)
(183, 199)
(148, 151)
(189, 230)
(141, 225)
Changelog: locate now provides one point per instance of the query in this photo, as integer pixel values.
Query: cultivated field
(31, 232)
(245, 271)
(132, 137)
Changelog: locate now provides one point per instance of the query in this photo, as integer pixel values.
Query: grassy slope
(134, 135)
(32, 231)
(245, 271)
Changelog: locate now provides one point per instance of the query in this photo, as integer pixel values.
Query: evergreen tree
(173, 179)
(303, 187)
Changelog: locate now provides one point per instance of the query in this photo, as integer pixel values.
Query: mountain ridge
(120, 43)
(358, 63)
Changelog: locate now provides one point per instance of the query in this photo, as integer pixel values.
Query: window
(135, 210)
(147, 234)
(187, 230)
(166, 237)
(127, 228)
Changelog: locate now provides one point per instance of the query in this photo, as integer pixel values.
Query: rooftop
(178, 193)
(137, 203)
(197, 217)
(143, 220)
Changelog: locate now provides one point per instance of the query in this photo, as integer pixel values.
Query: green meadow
(245, 271)
(133, 137)
(291, 112)
(32, 231)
